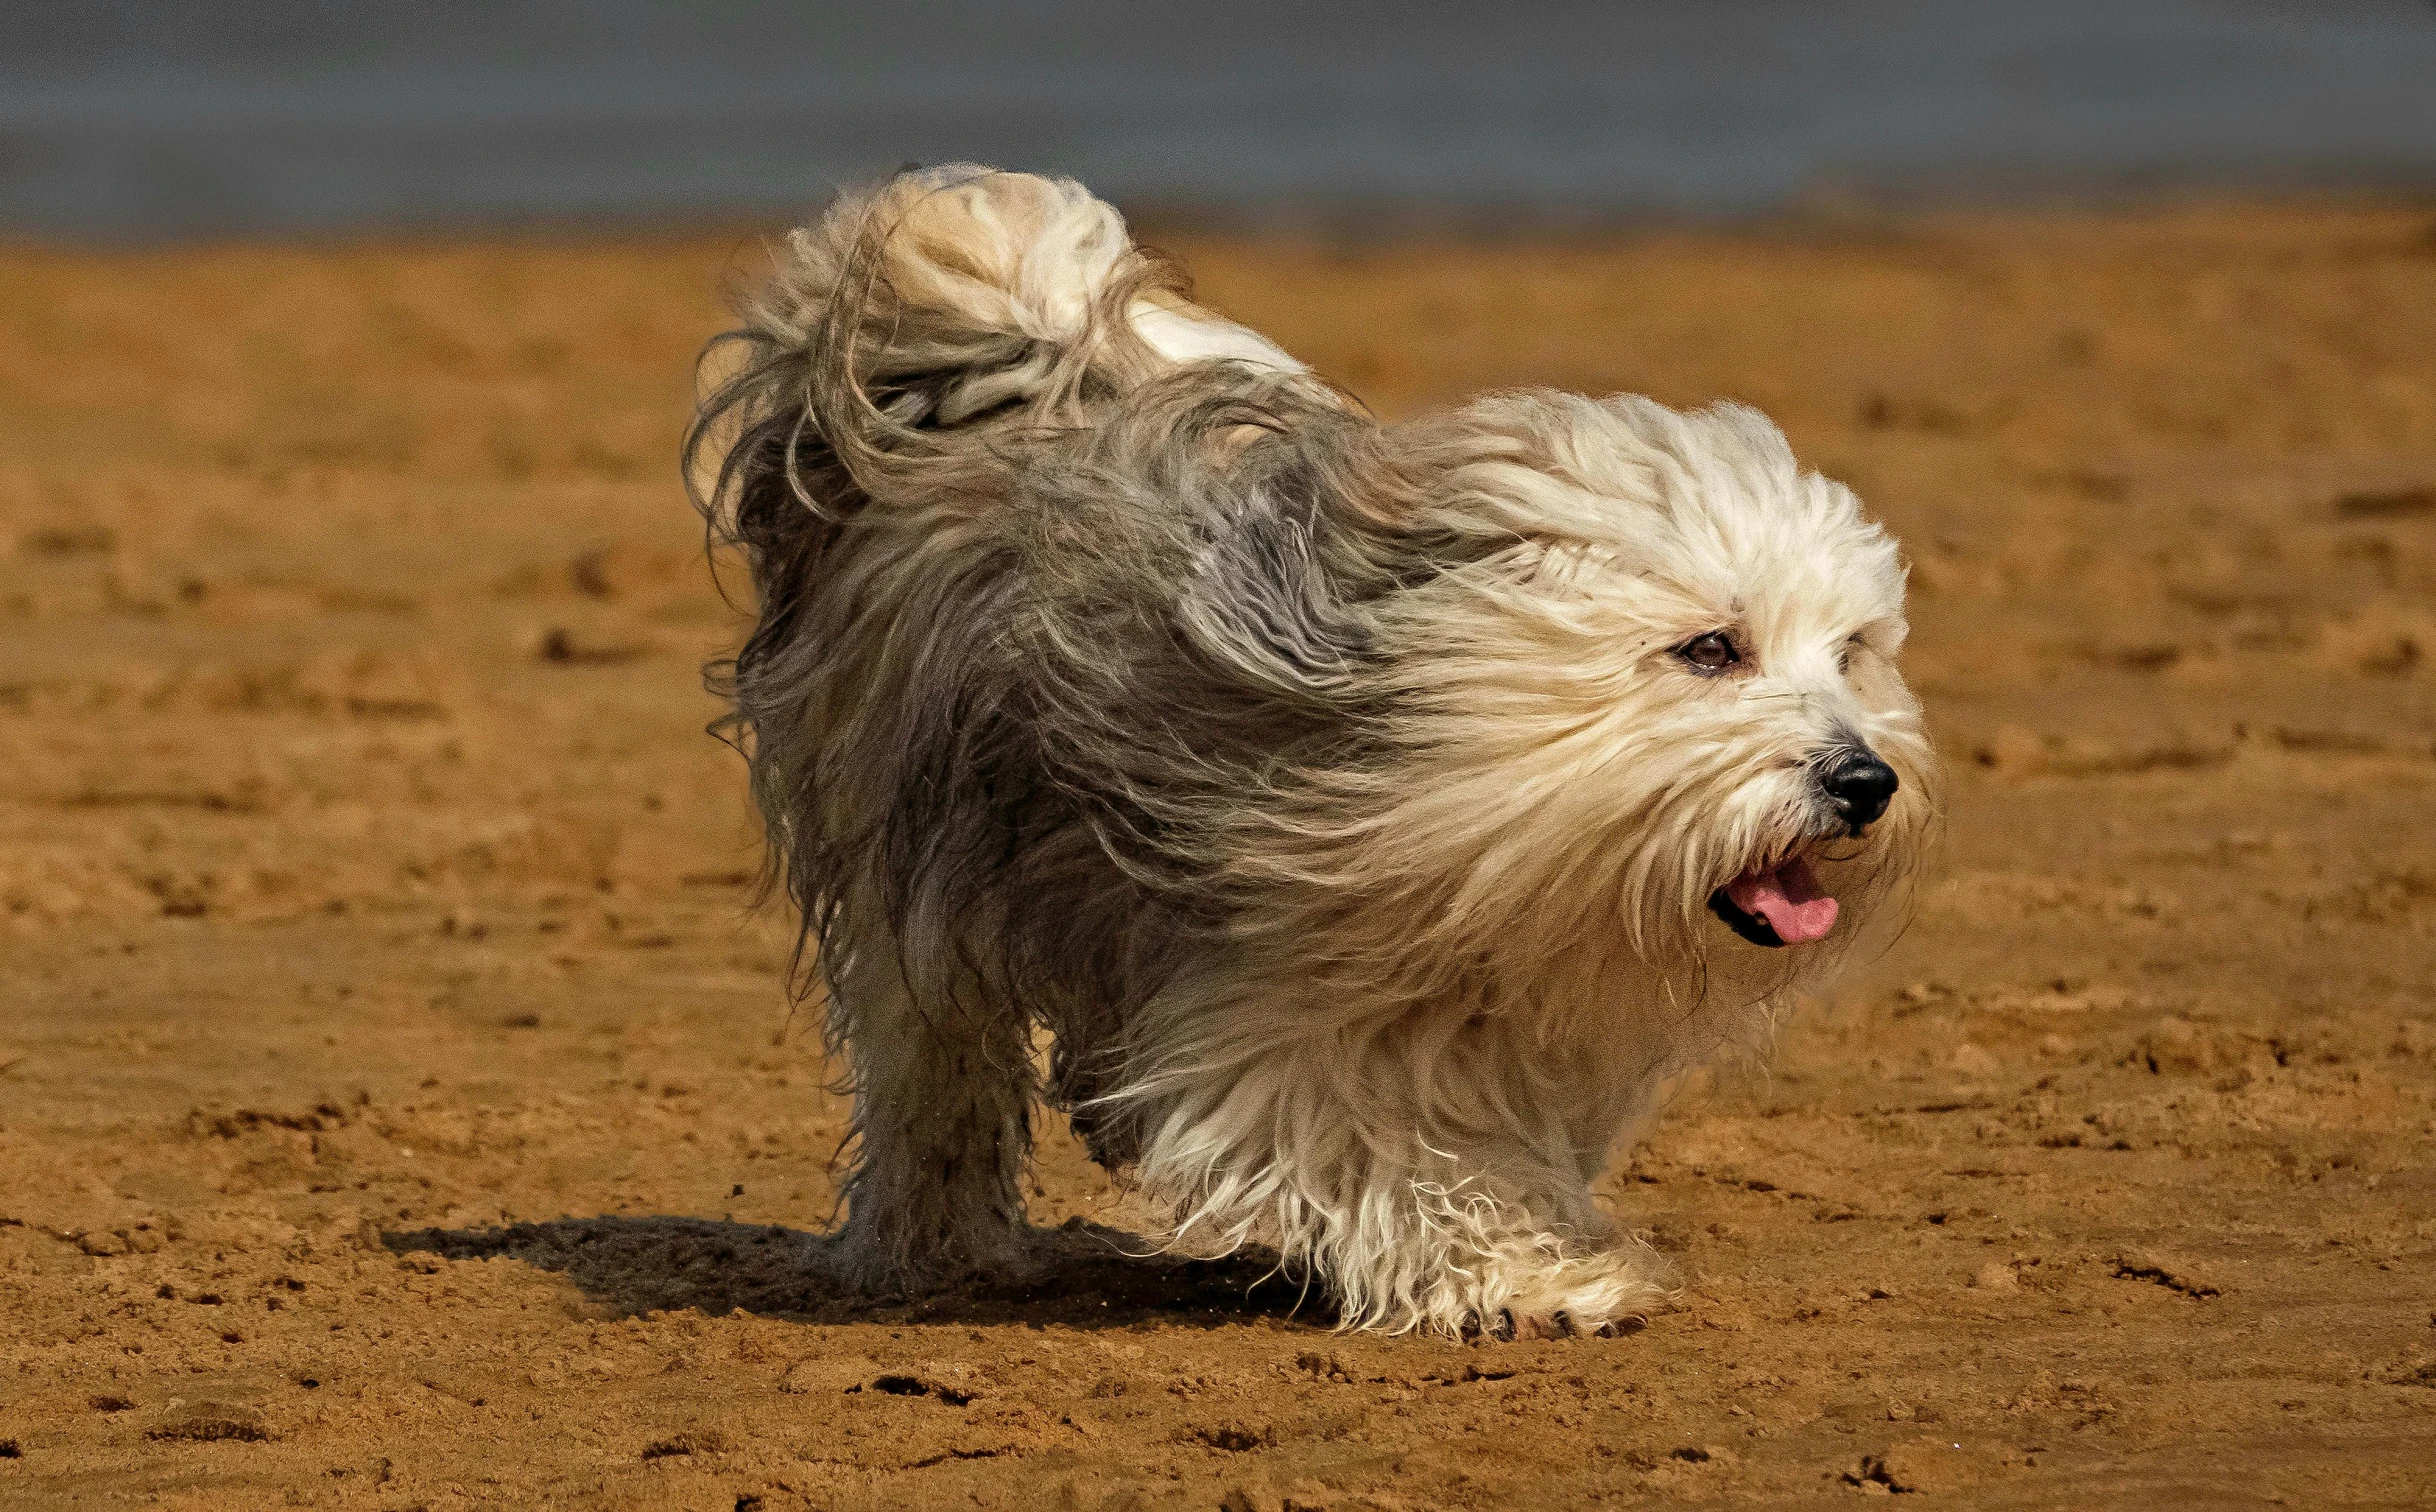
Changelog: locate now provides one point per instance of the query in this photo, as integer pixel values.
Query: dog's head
(1657, 704)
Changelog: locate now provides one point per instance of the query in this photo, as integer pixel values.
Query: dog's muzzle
(1785, 904)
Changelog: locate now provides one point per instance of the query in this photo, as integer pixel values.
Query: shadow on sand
(1094, 1277)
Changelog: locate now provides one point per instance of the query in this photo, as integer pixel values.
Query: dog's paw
(1601, 1294)
(1537, 1326)
(1558, 1325)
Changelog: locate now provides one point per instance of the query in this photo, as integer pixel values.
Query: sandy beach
(401, 1105)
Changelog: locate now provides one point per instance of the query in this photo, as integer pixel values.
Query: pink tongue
(1789, 899)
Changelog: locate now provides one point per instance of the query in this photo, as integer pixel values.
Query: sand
(400, 1105)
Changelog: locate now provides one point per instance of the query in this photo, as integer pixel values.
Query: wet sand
(400, 1105)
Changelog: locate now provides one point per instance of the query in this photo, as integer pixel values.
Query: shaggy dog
(1372, 817)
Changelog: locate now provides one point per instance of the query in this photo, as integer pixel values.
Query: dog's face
(1672, 704)
(1774, 614)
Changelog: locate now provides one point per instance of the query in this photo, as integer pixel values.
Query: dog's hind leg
(943, 1086)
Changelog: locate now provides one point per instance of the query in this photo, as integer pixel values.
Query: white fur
(1189, 334)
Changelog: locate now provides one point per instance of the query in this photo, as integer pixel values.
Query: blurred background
(139, 117)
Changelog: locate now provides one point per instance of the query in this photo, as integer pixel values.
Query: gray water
(149, 117)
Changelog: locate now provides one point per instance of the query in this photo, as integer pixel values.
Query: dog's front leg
(943, 1086)
(1447, 1207)
(1468, 1232)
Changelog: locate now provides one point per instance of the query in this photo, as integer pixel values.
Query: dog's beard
(1725, 915)
(1574, 923)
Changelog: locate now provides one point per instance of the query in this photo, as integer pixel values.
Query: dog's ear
(1281, 594)
(1267, 603)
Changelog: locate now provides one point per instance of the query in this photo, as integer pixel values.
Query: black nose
(1859, 785)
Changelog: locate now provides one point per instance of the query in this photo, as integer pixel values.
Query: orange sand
(367, 884)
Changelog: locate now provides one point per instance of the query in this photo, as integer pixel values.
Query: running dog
(1371, 817)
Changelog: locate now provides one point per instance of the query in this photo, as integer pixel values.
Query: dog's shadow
(1092, 1277)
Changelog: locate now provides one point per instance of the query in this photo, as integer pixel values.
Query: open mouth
(1783, 905)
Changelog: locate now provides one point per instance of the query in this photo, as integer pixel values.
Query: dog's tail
(943, 298)
(897, 338)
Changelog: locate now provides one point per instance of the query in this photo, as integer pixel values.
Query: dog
(1369, 818)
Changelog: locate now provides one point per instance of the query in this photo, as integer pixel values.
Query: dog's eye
(1713, 652)
(1844, 657)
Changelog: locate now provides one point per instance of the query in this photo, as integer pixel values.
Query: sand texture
(400, 1106)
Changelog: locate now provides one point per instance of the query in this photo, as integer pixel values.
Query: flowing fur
(1330, 792)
